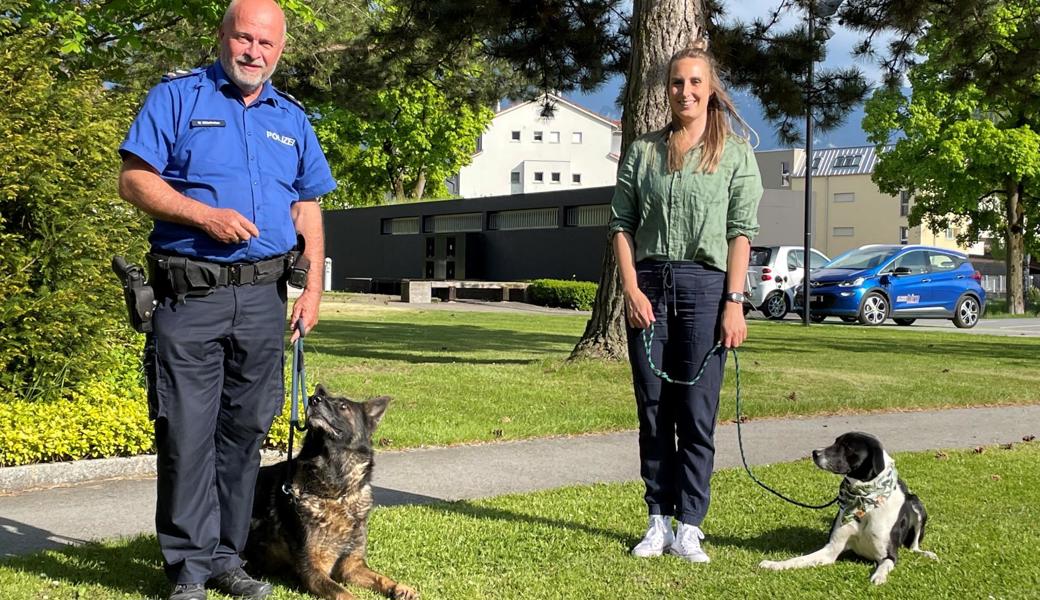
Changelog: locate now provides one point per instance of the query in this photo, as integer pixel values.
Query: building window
(785, 175)
(849, 161)
(554, 137)
(453, 223)
(538, 136)
(539, 177)
(844, 231)
(534, 218)
(480, 143)
(400, 226)
(845, 197)
(904, 203)
(595, 215)
(576, 137)
(555, 177)
(949, 233)
(514, 177)
(904, 235)
(816, 163)
(516, 136)
(575, 177)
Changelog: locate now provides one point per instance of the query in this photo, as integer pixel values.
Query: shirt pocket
(209, 152)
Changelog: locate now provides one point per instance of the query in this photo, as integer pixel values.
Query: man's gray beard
(246, 87)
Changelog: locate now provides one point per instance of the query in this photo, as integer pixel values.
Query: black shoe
(238, 584)
(188, 591)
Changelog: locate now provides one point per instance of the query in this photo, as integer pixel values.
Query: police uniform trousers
(215, 371)
(677, 422)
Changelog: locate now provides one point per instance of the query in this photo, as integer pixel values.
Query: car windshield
(862, 258)
(759, 256)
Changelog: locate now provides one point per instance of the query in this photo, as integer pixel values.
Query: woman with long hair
(683, 214)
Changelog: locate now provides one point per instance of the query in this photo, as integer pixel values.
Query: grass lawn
(463, 376)
(572, 543)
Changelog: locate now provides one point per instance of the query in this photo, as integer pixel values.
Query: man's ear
(374, 409)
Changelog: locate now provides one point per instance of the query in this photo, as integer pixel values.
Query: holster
(139, 296)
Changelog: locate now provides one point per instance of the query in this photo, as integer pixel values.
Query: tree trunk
(1015, 240)
(660, 28)
(420, 185)
(398, 182)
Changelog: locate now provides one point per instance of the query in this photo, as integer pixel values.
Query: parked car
(773, 272)
(874, 283)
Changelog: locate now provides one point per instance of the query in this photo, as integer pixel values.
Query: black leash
(299, 393)
(648, 338)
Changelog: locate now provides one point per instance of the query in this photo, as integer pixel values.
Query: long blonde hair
(720, 110)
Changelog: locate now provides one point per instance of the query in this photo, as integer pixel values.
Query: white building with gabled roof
(526, 151)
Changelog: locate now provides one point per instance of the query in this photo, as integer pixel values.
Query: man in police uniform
(230, 169)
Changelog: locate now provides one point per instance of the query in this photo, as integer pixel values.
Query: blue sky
(839, 49)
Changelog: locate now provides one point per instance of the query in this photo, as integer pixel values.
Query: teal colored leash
(648, 339)
(299, 394)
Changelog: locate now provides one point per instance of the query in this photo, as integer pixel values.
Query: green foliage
(970, 151)
(60, 221)
(404, 146)
(107, 415)
(579, 295)
(1033, 300)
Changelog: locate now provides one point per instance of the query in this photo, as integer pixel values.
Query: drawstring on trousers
(668, 281)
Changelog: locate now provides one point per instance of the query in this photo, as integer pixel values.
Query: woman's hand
(638, 308)
(734, 327)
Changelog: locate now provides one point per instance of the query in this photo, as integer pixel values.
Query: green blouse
(686, 215)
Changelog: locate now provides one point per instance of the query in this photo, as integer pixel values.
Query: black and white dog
(877, 513)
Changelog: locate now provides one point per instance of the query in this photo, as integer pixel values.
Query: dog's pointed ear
(374, 409)
(879, 461)
(320, 391)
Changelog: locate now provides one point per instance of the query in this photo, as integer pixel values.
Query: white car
(773, 274)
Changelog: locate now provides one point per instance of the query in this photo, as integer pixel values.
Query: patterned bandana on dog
(857, 498)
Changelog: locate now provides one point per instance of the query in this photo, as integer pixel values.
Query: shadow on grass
(134, 567)
(425, 343)
(787, 540)
(890, 341)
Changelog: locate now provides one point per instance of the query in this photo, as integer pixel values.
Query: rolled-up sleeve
(745, 192)
(624, 208)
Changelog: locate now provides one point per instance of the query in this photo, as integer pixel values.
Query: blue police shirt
(259, 159)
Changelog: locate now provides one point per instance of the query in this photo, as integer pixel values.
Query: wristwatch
(735, 297)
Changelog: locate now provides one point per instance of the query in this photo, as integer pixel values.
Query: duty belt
(190, 277)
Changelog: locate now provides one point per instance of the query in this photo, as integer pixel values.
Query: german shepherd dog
(318, 526)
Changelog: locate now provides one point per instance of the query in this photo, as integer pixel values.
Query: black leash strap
(648, 338)
(299, 394)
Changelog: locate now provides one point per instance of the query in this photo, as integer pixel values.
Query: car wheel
(874, 309)
(817, 318)
(904, 322)
(775, 307)
(966, 315)
(849, 319)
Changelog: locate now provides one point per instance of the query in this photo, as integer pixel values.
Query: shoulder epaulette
(179, 73)
(290, 98)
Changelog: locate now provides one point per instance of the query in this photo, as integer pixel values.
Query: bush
(61, 221)
(579, 295)
(1033, 299)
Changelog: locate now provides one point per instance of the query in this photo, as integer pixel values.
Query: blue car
(873, 283)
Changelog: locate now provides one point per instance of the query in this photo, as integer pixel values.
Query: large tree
(968, 146)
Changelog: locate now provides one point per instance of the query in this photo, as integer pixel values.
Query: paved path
(50, 518)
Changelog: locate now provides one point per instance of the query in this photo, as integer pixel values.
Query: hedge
(579, 295)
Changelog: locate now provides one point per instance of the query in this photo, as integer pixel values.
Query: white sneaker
(658, 537)
(687, 544)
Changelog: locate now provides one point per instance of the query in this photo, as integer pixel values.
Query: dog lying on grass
(318, 527)
(877, 513)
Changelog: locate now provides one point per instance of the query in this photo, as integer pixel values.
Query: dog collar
(857, 498)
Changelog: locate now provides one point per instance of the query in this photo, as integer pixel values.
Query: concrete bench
(422, 290)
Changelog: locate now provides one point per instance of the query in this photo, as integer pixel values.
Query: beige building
(848, 209)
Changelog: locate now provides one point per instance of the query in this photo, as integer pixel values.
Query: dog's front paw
(879, 578)
(931, 555)
(403, 592)
(772, 565)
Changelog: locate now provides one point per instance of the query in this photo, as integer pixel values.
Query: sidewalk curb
(25, 478)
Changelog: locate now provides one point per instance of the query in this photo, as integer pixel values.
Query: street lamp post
(821, 8)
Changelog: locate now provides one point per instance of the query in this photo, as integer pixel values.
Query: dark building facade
(560, 235)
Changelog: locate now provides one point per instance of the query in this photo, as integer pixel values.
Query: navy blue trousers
(677, 422)
(215, 371)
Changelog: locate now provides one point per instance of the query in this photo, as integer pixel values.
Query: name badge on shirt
(207, 123)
